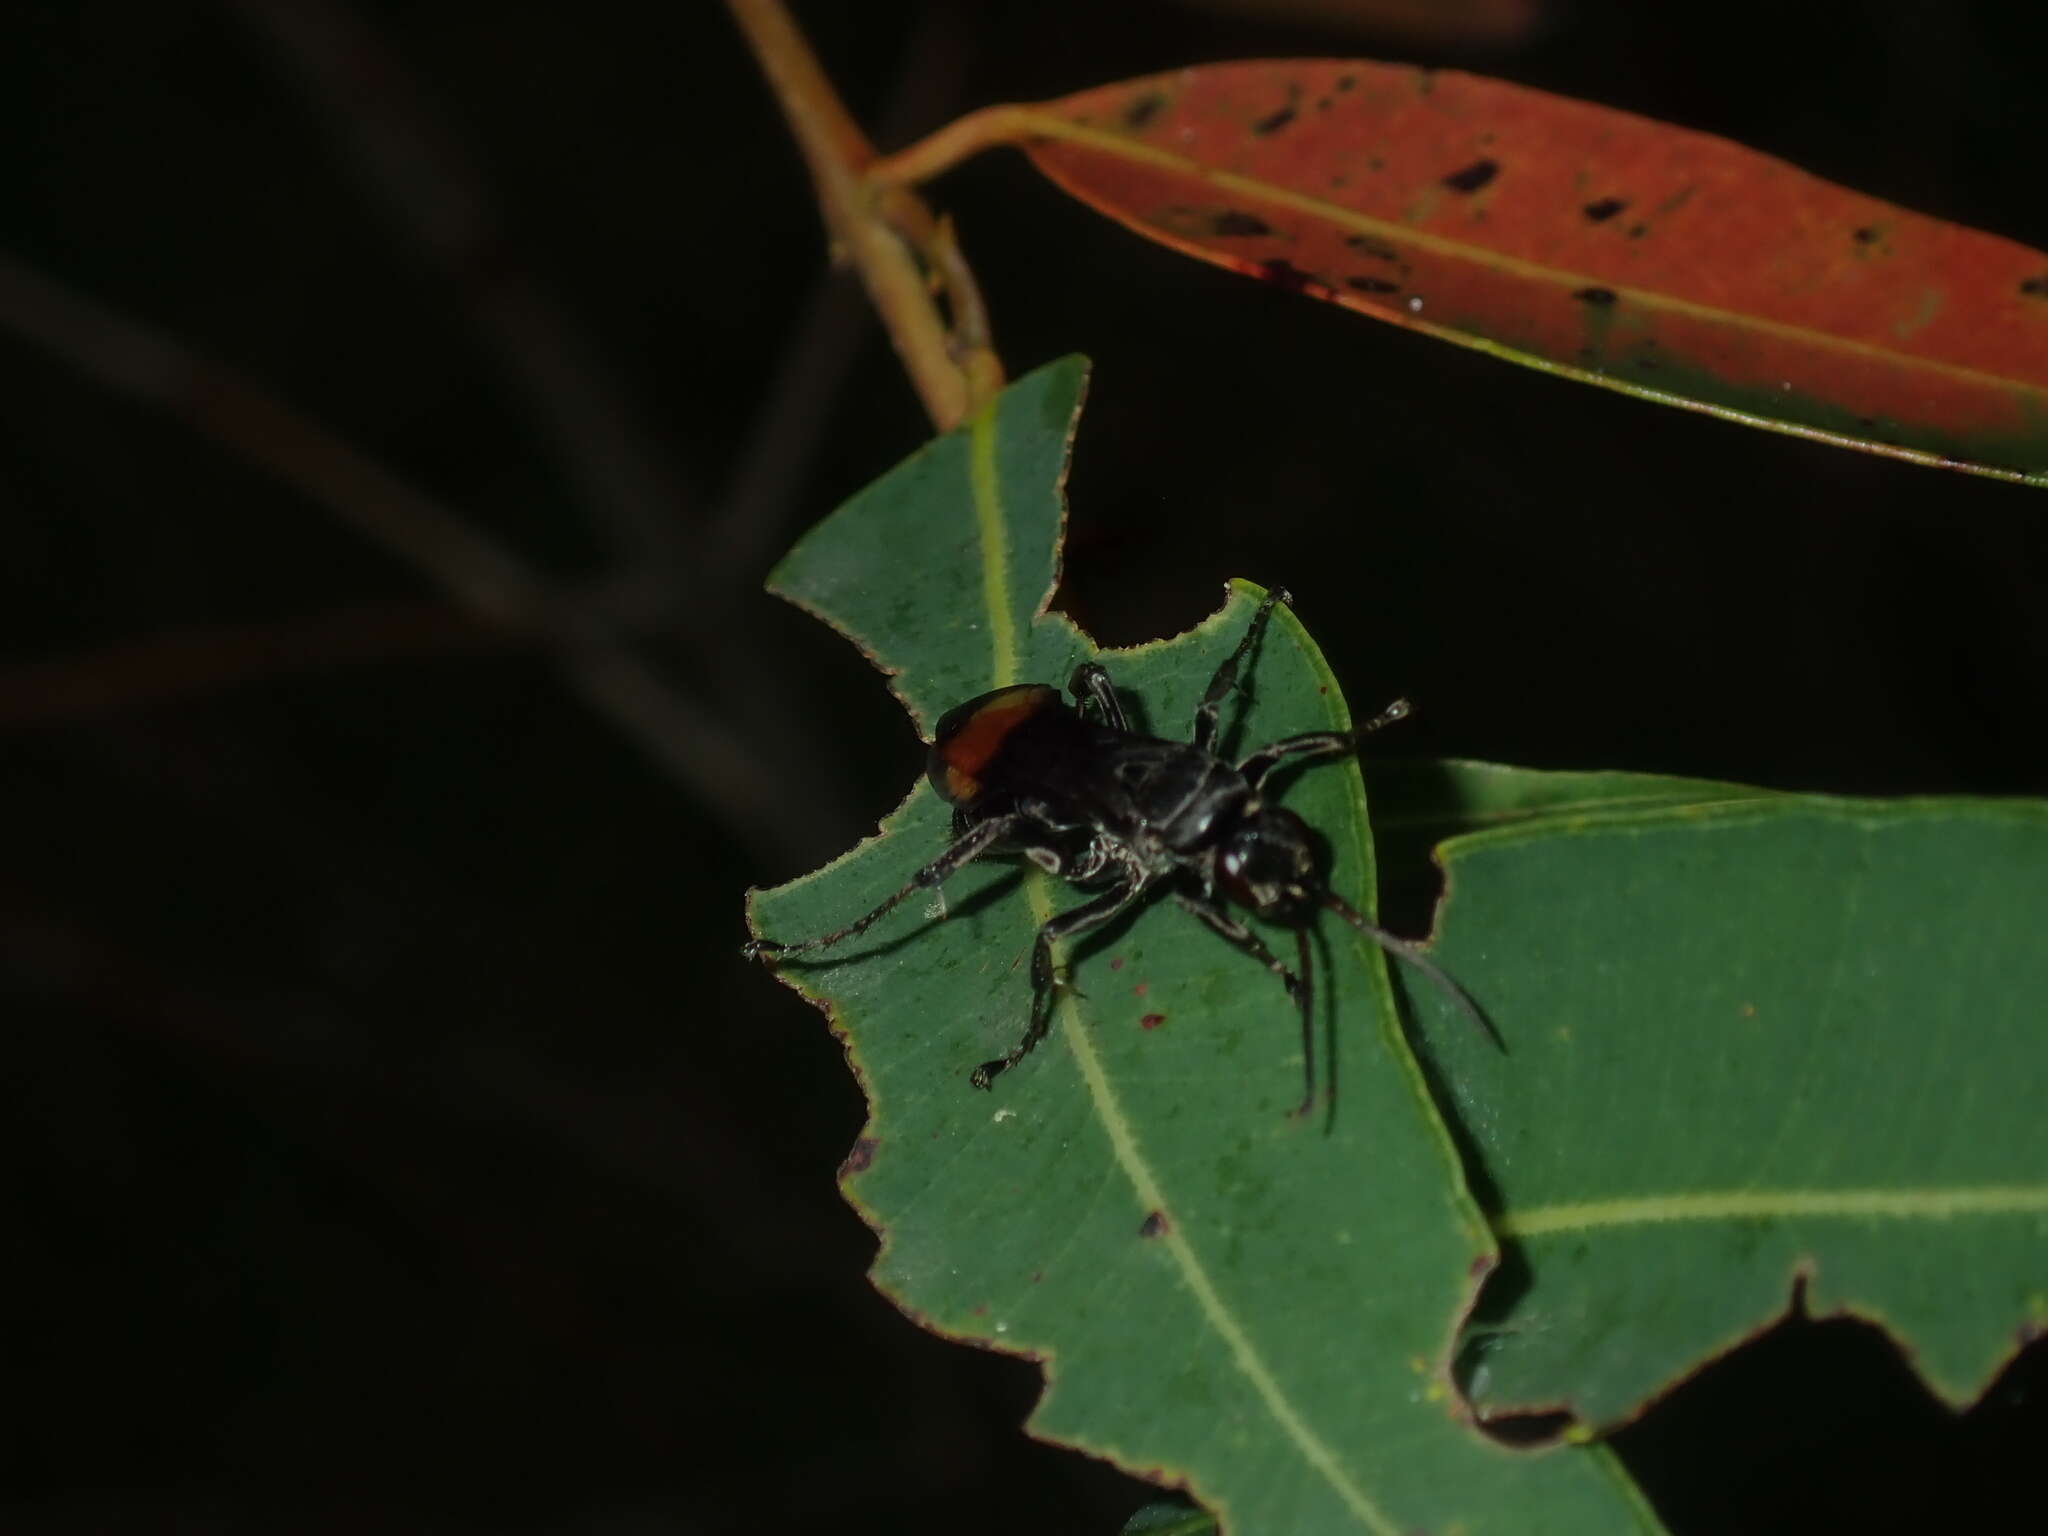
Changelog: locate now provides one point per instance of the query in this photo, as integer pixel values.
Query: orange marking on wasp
(968, 750)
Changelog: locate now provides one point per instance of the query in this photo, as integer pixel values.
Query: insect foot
(984, 1076)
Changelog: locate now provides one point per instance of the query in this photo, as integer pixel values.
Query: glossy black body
(1129, 817)
(1094, 803)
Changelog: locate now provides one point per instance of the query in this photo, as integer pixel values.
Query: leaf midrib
(1928, 1204)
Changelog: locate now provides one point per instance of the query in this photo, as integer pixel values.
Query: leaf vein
(1934, 1204)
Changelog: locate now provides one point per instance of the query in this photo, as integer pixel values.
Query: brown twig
(755, 506)
(961, 139)
(489, 582)
(887, 233)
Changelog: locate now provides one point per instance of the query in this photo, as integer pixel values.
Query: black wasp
(1080, 794)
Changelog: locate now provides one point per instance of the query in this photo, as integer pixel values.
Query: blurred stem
(486, 580)
(169, 666)
(408, 154)
(902, 253)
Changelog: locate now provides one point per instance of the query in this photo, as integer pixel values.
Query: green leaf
(1417, 802)
(1444, 797)
(1170, 1519)
(1748, 1042)
(1222, 1296)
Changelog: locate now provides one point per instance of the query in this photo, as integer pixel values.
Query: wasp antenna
(1400, 709)
(1418, 957)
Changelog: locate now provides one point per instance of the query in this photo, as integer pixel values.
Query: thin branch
(487, 581)
(129, 357)
(887, 233)
(961, 139)
(972, 338)
(176, 664)
(755, 506)
(409, 156)
(653, 1131)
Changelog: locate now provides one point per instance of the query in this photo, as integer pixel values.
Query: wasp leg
(970, 846)
(1071, 924)
(1091, 682)
(1319, 744)
(1417, 956)
(1226, 675)
(1300, 986)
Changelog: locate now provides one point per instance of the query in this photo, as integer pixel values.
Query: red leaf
(1584, 240)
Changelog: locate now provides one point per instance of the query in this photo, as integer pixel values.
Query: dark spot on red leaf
(1425, 81)
(2035, 287)
(1605, 209)
(1473, 176)
(1867, 235)
(862, 1154)
(1600, 298)
(1373, 285)
(1346, 82)
(1324, 103)
(1285, 274)
(1371, 245)
(1154, 1225)
(1152, 1021)
(1231, 222)
(1637, 231)
(1144, 109)
(1273, 122)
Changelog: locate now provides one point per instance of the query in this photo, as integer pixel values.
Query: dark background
(394, 1139)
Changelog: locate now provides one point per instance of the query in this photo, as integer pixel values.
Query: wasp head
(1268, 862)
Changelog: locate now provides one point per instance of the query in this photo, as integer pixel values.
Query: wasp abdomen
(973, 738)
